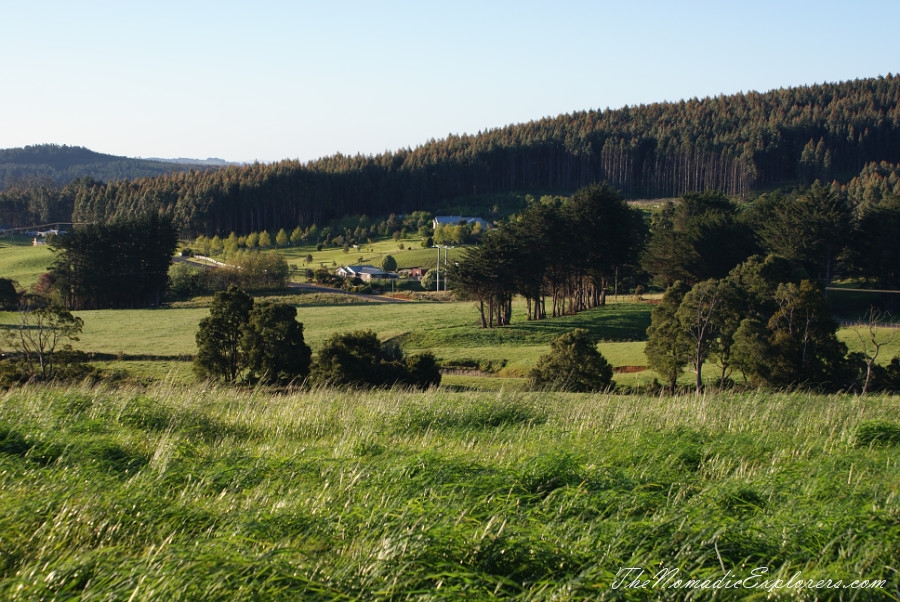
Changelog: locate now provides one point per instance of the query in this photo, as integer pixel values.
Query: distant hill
(210, 162)
(60, 164)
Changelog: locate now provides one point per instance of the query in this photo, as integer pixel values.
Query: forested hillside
(59, 164)
(736, 144)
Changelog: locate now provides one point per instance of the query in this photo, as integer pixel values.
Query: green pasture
(411, 255)
(858, 338)
(450, 330)
(158, 343)
(452, 327)
(178, 493)
(21, 261)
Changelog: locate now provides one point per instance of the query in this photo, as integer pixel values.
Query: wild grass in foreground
(204, 493)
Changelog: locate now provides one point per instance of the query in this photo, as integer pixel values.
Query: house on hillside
(416, 272)
(455, 220)
(366, 273)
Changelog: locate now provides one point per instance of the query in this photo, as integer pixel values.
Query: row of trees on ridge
(738, 144)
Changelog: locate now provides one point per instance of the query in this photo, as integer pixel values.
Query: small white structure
(455, 220)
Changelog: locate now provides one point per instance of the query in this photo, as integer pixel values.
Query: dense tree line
(825, 230)
(736, 144)
(40, 202)
(248, 270)
(700, 237)
(120, 264)
(764, 320)
(347, 232)
(565, 251)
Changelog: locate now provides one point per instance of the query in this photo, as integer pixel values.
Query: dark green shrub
(12, 442)
(876, 432)
(359, 359)
(9, 296)
(423, 371)
(573, 364)
(546, 472)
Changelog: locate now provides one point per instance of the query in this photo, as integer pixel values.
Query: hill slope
(62, 164)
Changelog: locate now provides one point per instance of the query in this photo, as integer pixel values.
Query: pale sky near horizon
(271, 80)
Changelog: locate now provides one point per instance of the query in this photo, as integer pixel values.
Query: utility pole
(438, 275)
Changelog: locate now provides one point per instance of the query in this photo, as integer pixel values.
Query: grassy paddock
(412, 254)
(450, 330)
(858, 338)
(206, 493)
(23, 262)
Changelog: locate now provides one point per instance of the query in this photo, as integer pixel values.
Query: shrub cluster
(260, 342)
(242, 340)
(573, 364)
(360, 359)
(765, 320)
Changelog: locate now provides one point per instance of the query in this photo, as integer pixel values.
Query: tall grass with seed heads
(206, 493)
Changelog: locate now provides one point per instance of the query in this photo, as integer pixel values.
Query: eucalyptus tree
(699, 317)
(44, 329)
(668, 347)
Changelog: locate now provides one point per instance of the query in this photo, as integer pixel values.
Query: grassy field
(411, 255)
(450, 330)
(21, 261)
(479, 490)
(204, 493)
(158, 343)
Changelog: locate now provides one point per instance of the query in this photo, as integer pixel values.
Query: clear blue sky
(268, 80)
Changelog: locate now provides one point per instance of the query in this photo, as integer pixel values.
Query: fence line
(848, 324)
(211, 260)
